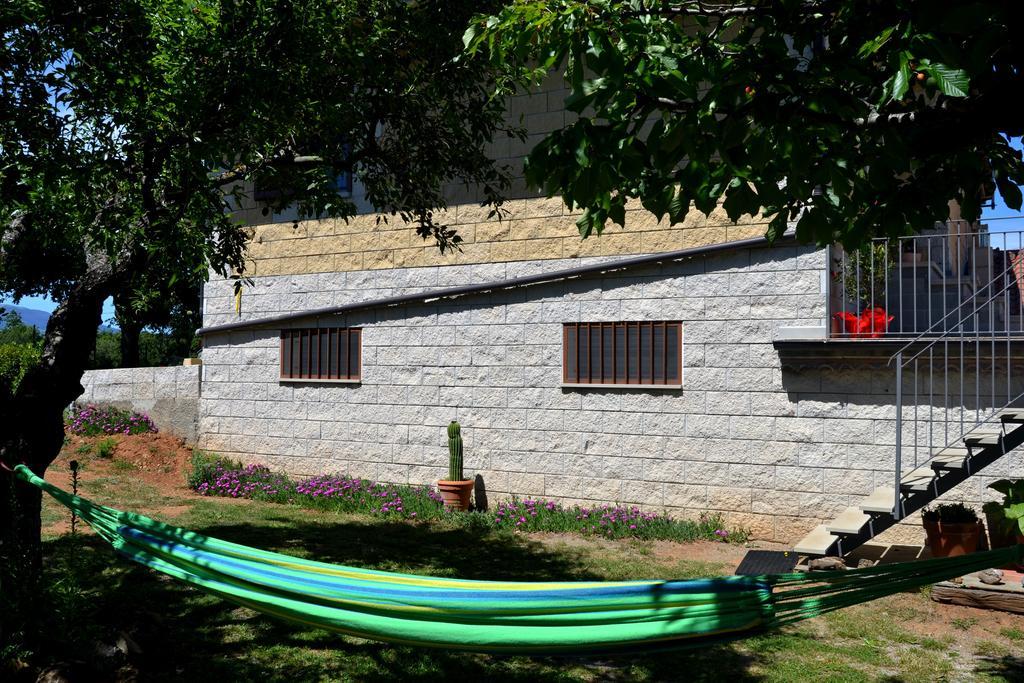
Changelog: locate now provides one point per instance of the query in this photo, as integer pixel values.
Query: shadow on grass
(1007, 668)
(183, 633)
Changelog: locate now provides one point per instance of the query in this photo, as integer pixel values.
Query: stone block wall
(774, 446)
(169, 395)
(533, 227)
(536, 112)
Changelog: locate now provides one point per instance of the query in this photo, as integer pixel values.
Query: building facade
(755, 411)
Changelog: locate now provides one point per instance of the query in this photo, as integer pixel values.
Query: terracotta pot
(913, 257)
(455, 494)
(952, 540)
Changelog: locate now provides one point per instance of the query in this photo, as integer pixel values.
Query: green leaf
(617, 213)
(1010, 191)
(777, 227)
(740, 199)
(811, 224)
(872, 46)
(657, 200)
(593, 86)
(585, 224)
(952, 82)
(679, 207)
(469, 36)
(900, 82)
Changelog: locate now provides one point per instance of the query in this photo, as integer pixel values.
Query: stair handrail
(900, 363)
(969, 300)
(994, 412)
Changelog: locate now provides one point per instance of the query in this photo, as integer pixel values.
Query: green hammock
(500, 616)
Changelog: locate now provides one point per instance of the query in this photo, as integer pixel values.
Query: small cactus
(454, 452)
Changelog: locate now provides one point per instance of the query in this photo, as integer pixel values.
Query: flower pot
(1020, 541)
(952, 540)
(455, 494)
(913, 257)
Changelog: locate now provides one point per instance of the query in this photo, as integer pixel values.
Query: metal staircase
(958, 402)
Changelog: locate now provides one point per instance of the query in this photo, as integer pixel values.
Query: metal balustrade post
(897, 511)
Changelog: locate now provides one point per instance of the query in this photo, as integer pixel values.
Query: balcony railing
(907, 287)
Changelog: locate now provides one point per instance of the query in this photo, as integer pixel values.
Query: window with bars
(321, 354)
(626, 353)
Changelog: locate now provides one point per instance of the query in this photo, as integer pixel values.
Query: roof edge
(509, 283)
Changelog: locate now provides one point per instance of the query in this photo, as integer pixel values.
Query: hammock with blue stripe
(500, 616)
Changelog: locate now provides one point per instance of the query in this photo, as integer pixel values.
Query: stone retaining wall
(169, 395)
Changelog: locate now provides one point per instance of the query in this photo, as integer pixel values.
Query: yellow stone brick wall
(535, 229)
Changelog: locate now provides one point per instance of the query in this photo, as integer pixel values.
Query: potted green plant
(953, 529)
(1010, 520)
(1001, 531)
(455, 490)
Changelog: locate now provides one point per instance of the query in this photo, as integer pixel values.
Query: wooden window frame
(319, 371)
(633, 372)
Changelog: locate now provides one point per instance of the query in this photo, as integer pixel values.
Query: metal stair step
(979, 438)
(817, 542)
(953, 458)
(849, 521)
(920, 479)
(1015, 415)
(880, 500)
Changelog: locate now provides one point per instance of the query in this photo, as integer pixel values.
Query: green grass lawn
(186, 635)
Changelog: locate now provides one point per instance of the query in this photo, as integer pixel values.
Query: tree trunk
(131, 330)
(32, 432)
(130, 333)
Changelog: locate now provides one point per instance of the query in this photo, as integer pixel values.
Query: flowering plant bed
(214, 476)
(94, 420)
(610, 521)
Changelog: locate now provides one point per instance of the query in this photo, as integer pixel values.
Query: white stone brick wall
(169, 395)
(775, 449)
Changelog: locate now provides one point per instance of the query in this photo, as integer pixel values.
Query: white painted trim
(812, 333)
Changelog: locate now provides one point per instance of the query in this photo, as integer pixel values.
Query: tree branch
(723, 10)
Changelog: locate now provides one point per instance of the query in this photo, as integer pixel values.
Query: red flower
(871, 323)
(849, 323)
(874, 322)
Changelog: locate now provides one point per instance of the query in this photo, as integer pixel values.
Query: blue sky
(43, 303)
(1010, 218)
(1007, 220)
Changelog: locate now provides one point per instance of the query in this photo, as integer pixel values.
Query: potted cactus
(455, 490)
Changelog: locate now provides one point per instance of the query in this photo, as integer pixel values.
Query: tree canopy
(125, 126)
(130, 128)
(853, 119)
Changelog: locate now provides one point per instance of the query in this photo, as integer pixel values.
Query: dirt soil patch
(160, 460)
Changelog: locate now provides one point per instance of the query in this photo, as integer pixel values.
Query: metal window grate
(321, 353)
(628, 353)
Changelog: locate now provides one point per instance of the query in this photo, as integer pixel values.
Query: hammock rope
(500, 616)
